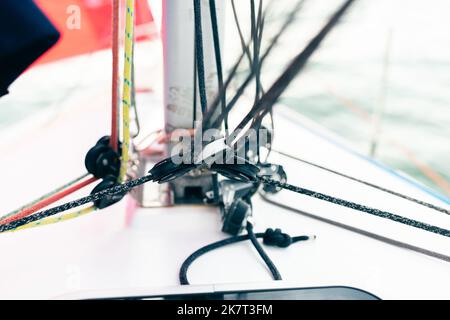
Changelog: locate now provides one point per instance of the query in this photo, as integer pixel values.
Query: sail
(25, 34)
(85, 25)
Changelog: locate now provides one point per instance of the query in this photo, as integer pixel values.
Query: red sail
(94, 32)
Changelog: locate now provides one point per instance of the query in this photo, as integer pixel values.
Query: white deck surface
(98, 252)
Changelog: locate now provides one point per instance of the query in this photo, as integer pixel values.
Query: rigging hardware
(104, 202)
(275, 172)
(235, 204)
(363, 232)
(101, 160)
(364, 182)
(115, 76)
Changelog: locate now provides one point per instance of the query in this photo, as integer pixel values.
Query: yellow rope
(127, 79)
(45, 196)
(126, 102)
(53, 220)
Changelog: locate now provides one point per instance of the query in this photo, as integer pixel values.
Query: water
(345, 83)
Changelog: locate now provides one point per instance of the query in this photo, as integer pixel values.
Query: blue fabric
(25, 34)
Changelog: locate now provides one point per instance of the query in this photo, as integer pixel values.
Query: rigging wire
(218, 99)
(211, 112)
(256, 36)
(288, 21)
(375, 186)
(194, 97)
(217, 53)
(259, 31)
(117, 189)
(358, 207)
(272, 95)
(199, 55)
(256, 46)
(241, 35)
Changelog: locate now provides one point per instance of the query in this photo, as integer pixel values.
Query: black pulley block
(104, 141)
(275, 172)
(101, 160)
(107, 182)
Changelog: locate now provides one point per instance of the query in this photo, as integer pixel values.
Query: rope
(194, 96)
(271, 237)
(359, 207)
(53, 220)
(289, 19)
(216, 39)
(115, 78)
(122, 188)
(127, 79)
(273, 269)
(199, 55)
(47, 200)
(256, 47)
(365, 233)
(239, 30)
(167, 170)
(400, 195)
(256, 65)
(272, 95)
(136, 120)
(227, 171)
(51, 193)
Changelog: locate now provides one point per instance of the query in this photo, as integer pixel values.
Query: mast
(182, 103)
(179, 60)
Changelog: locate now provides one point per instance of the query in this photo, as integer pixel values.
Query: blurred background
(380, 80)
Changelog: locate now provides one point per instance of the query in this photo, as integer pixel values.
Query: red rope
(48, 201)
(115, 77)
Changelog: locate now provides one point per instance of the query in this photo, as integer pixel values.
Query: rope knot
(277, 238)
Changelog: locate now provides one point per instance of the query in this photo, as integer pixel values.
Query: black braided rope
(199, 55)
(290, 73)
(262, 253)
(372, 185)
(222, 243)
(213, 123)
(122, 188)
(359, 207)
(362, 232)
